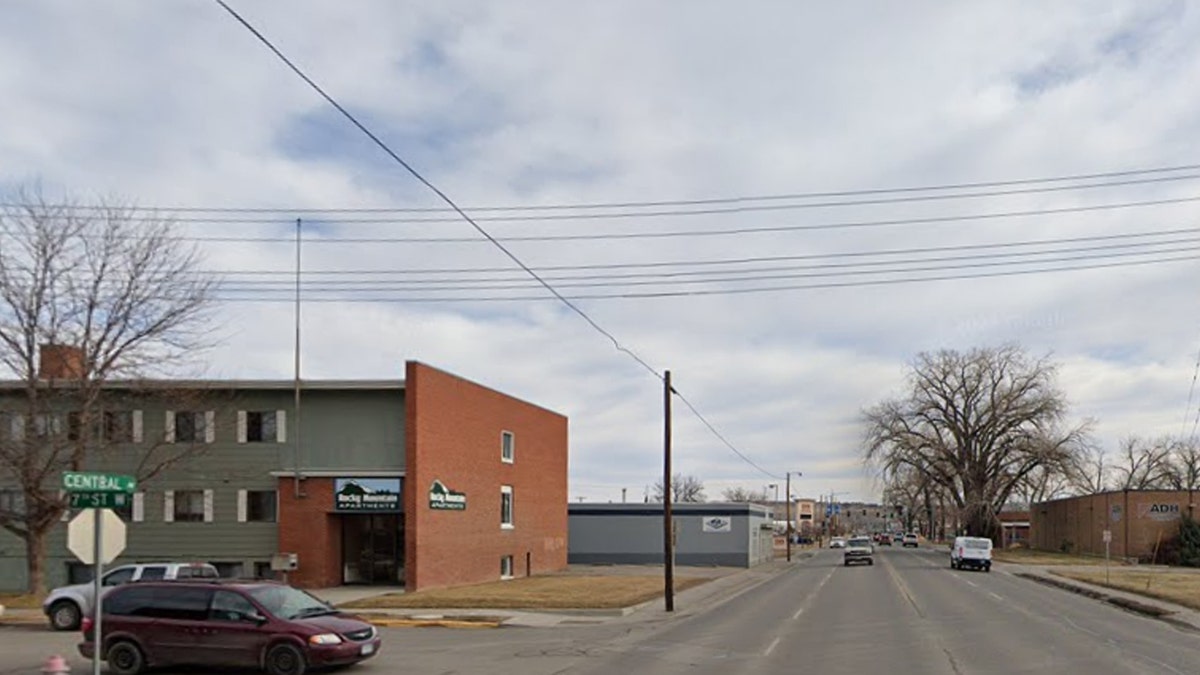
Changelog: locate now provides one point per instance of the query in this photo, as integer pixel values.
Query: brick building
(1136, 520)
(428, 481)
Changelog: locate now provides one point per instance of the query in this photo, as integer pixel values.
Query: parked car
(66, 606)
(837, 542)
(226, 623)
(910, 539)
(859, 549)
(973, 552)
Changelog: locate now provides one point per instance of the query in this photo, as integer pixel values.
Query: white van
(973, 552)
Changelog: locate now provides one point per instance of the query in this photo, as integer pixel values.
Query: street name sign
(99, 500)
(75, 481)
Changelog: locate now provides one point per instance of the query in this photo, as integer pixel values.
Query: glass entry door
(372, 549)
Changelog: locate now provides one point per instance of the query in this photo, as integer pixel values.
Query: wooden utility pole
(668, 531)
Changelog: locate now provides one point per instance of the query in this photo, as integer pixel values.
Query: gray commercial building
(732, 535)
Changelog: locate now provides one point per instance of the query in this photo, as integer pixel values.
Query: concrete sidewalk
(1182, 617)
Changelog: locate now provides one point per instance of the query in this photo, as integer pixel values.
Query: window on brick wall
(506, 506)
(507, 446)
(506, 567)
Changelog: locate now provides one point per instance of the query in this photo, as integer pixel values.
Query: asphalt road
(908, 614)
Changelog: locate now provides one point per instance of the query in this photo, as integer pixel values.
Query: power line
(671, 234)
(1004, 258)
(449, 202)
(696, 202)
(736, 261)
(751, 290)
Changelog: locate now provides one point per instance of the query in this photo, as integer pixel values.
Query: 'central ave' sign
(74, 481)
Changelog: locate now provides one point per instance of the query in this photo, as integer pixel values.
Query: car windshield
(286, 602)
(860, 542)
(977, 543)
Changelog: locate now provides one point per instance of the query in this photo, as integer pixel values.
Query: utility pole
(668, 530)
(788, 492)
(623, 495)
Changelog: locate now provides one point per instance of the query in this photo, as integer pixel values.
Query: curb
(413, 622)
(1135, 606)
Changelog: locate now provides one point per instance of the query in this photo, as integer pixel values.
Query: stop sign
(81, 533)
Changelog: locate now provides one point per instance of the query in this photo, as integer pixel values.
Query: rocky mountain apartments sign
(366, 495)
(444, 499)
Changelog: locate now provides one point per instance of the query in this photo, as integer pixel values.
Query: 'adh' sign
(444, 499)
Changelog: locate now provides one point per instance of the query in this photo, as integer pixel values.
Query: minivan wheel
(124, 658)
(285, 660)
(65, 615)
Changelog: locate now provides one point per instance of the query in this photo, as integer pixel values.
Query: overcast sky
(780, 319)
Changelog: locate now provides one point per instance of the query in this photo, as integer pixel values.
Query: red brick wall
(1079, 522)
(452, 431)
(307, 527)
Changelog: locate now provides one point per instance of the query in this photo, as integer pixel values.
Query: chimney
(60, 362)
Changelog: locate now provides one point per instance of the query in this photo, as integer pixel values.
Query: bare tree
(740, 494)
(683, 489)
(1088, 471)
(1184, 473)
(976, 424)
(1143, 465)
(116, 295)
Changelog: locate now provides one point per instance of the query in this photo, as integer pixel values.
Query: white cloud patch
(538, 103)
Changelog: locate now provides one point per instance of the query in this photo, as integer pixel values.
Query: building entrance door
(372, 549)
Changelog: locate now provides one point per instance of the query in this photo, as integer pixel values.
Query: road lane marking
(771, 648)
(809, 598)
(971, 583)
(995, 596)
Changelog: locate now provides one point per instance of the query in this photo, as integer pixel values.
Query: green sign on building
(445, 499)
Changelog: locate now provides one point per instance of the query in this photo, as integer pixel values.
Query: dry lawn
(548, 592)
(1024, 556)
(1181, 588)
(20, 601)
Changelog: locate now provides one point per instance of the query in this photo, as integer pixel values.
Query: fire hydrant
(56, 665)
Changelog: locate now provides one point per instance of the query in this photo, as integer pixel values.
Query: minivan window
(230, 606)
(977, 543)
(131, 601)
(181, 602)
(118, 576)
(286, 602)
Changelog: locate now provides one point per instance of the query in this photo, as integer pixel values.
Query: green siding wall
(341, 430)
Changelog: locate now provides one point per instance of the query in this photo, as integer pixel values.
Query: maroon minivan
(261, 624)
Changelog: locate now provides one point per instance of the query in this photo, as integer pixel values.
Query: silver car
(66, 606)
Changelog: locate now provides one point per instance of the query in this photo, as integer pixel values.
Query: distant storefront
(734, 535)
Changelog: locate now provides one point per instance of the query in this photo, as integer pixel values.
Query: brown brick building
(483, 496)
(1137, 521)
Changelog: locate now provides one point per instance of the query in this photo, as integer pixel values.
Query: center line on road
(771, 648)
(797, 614)
(995, 596)
(972, 583)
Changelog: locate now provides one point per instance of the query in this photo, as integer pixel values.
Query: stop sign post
(107, 532)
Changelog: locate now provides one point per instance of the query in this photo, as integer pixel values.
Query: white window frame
(508, 447)
(506, 567)
(243, 506)
(210, 425)
(506, 491)
(169, 505)
(280, 426)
